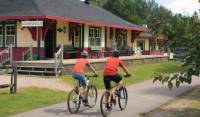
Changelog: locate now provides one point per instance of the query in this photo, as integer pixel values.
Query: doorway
(50, 42)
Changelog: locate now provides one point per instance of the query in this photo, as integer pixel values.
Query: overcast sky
(186, 7)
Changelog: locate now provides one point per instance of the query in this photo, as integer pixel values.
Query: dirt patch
(41, 82)
(187, 105)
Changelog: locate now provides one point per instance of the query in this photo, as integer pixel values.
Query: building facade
(75, 24)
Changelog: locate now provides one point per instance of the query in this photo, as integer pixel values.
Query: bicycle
(75, 98)
(120, 93)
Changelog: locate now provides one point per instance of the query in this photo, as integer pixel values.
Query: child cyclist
(79, 73)
(111, 72)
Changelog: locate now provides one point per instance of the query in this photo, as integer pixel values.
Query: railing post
(62, 51)
(31, 52)
(11, 54)
(56, 67)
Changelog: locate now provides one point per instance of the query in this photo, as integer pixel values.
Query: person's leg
(108, 88)
(118, 80)
(81, 79)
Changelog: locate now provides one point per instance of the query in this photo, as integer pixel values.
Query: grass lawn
(187, 105)
(28, 99)
(140, 73)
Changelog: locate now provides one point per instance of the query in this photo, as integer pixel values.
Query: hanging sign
(32, 24)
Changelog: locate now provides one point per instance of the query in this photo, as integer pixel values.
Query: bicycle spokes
(105, 106)
(92, 96)
(74, 101)
(122, 98)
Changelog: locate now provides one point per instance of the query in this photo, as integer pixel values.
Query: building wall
(129, 38)
(86, 36)
(24, 38)
(63, 37)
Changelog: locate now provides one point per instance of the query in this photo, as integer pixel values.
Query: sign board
(32, 24)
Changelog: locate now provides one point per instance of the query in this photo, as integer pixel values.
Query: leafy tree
(181, 31)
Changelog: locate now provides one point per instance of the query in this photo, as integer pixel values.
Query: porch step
(36, 68)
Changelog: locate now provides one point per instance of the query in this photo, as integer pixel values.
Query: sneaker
(85, 102)
(108, 106)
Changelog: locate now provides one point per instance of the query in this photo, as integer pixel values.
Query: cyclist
(111, 72)
(79, 74)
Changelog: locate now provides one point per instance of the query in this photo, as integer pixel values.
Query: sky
(186, 7)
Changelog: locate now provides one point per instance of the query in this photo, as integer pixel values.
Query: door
(50, 43)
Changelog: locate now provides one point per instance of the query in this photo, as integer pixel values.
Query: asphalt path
(143, 97)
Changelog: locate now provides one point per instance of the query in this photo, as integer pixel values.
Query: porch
(48, 67)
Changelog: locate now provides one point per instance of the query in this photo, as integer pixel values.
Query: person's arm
(92, 68)
(124, 67)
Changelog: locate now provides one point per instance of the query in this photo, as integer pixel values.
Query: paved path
(143, 97)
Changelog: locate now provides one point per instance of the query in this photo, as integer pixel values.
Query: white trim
(9, 35)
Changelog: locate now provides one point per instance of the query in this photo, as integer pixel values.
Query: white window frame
(77, 38)
(95, 35)
(9, 35)
(1, 35)
(143, 41)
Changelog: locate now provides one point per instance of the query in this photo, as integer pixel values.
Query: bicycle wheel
(122, 98)
(74, 101)
(105, 109)
(92, 96)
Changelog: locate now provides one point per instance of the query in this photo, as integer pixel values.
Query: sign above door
(32, 24)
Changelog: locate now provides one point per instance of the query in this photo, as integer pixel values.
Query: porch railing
(6, 56)
(59, 60)
(28, 54)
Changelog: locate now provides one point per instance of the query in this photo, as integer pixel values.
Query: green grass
(28, 99)
(140, 73)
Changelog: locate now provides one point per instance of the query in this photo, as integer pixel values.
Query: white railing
(28, 54)
(58, 60)
(6, 55)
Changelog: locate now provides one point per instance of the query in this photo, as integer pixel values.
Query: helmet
(84, 54)
(116, 53)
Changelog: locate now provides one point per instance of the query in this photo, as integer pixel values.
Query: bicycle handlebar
(127, 75)
(90, 76)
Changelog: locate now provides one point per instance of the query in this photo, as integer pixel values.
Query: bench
(69, 51)
(96, 52)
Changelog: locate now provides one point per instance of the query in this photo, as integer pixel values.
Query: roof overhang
(71, 20)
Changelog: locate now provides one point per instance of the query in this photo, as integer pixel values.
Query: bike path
(143, 97)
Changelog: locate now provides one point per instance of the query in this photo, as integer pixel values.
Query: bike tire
(107, 111)
(92, 96)
(122, 96)
(77, 101)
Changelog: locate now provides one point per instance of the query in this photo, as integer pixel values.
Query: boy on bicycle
(111, 72)
(78, 73)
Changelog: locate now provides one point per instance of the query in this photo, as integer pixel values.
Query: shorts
(80, 78)
(107, 80)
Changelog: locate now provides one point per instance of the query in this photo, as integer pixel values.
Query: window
(77, 37)
(10, 35)
(1, 36)
(153, 46)
(159, 45)
(121, 37)
(95, 36)
(141, 44)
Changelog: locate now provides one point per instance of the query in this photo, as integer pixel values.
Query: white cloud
(186, 7)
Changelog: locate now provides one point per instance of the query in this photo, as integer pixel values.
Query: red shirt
(80, 65)
(112, 65)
